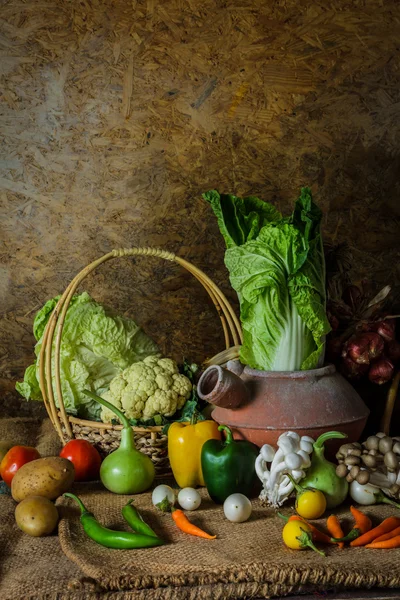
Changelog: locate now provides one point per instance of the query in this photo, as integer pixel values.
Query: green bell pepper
(229, 467)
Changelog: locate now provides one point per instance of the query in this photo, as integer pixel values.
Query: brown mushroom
(372, 443)
(385, 444)
(341, 470)
(369, 461)
(352, 460)
(363, 477)
(391, 460)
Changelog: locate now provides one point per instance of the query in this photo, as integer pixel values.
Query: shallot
(351, 369)
(364, 347)
(385, 328)
(381, 371)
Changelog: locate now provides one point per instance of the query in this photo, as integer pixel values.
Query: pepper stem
(352, 535)
(306, 541)
(282, 516)
(228, 433)
(194, 418)
(79, 501)
(299, 489)
(165, 505)
(328, 435)
(381, 498)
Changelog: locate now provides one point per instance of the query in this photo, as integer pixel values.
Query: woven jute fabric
(31, 432)
(248, 558)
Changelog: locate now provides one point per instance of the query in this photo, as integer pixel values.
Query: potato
(36, 516)
(48, 477)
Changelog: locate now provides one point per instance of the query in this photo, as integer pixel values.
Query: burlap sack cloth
(247, 560)
(250, 557)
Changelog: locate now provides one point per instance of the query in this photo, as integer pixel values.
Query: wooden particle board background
(116, 115)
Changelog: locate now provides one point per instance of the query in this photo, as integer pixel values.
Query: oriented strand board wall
(116, 115)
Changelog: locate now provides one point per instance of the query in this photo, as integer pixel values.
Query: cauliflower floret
(183, 387)
(117, 386)
(107, 415)
(168, 365)
(147, 388)
(164, 381)
(161, 403)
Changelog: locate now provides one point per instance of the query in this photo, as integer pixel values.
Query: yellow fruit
(291, 533)
(311, 504)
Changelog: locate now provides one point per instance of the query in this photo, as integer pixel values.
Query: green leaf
(278, 271)
(240, 219)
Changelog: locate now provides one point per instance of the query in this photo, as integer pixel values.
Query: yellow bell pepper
(185, 441)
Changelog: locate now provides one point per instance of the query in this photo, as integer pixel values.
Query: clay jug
(261, 405)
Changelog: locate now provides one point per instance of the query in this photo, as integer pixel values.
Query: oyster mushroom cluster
(375, 461)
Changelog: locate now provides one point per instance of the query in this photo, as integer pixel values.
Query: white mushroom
(293, 461)
(267, 452)
(292, 456)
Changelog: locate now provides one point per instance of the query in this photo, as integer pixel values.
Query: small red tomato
(85, 459)
(14, 459)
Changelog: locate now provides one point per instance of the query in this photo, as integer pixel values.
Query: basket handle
(230, 324)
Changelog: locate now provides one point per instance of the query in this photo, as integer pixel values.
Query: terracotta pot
(308, 402)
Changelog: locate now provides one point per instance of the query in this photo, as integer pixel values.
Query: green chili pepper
(109, 537)
(135, 520)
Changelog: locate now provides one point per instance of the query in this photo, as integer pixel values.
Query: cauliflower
(150, 387)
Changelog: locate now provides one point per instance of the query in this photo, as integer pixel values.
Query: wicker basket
(106, 436)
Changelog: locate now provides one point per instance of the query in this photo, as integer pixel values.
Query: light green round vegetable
(126, 470)
(321, 475)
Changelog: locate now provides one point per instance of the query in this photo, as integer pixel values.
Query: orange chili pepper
(361, 526)
(186, 526)
(387, 525)
(393, 542)
(387, 536)
(335, 529)
(182, 522)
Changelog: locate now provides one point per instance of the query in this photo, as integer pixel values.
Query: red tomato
(85, 459)
(14, 459)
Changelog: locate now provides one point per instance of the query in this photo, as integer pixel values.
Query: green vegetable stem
(109, 537)
(126, 470)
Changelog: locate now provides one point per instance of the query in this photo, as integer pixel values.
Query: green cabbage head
(96, 345)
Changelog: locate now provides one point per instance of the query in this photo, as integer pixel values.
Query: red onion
(381, 371)
(385, 328)
(392, 351)
(364, 347)
(352, 370)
